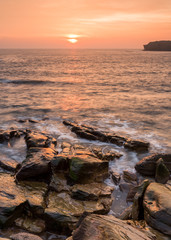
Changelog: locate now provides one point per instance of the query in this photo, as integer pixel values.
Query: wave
(27, 82)
(33, 82)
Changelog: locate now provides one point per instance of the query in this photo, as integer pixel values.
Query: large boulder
(98, 227)
(36, 164)
(157, 207)
(147, 166)
(86, 168)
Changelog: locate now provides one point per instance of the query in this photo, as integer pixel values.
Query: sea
(123, 91)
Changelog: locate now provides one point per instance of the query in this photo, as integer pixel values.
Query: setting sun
(72, 40)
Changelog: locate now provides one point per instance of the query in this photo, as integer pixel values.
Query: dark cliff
(158, 46)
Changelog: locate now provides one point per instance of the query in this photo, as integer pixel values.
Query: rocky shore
(58, 191)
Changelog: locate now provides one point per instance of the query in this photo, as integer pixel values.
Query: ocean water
(124, 91)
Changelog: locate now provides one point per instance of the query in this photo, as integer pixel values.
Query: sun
(72, 40)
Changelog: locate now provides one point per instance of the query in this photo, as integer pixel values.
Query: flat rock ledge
(90, 133)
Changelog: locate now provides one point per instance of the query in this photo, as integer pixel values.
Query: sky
(89, 23)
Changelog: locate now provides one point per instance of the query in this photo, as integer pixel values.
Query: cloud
(125, 17)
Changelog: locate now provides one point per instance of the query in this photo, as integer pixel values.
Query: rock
(63, 211)
(59, 183)
(137, 207)
(12, 200)
(34, 192)
(7, 135)
(4, 136)
(60, 163)
(97, 227)
(162, 173)
(8, 163)
(93, 134)
(36, 164)
(40, 140)
(30, 224)
(85, 169)
(15, 199)
(137, 145)
(126, 214)
(116, 177)
(147, 165)
(126, 187)
(158, 46)
(66, 148)
(25, 236)
(129, 176)
(115, 139)
(157, 207)
(131, 194)
(91, 191)
(106, 154)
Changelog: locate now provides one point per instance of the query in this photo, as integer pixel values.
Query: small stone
(129, 176)
(131, 194)
(126, 214)
(30, 224)
(162, 173)
(115, 177)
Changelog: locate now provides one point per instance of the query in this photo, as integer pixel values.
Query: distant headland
(158, 46)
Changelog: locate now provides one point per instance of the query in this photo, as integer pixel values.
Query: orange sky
(97, 23)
